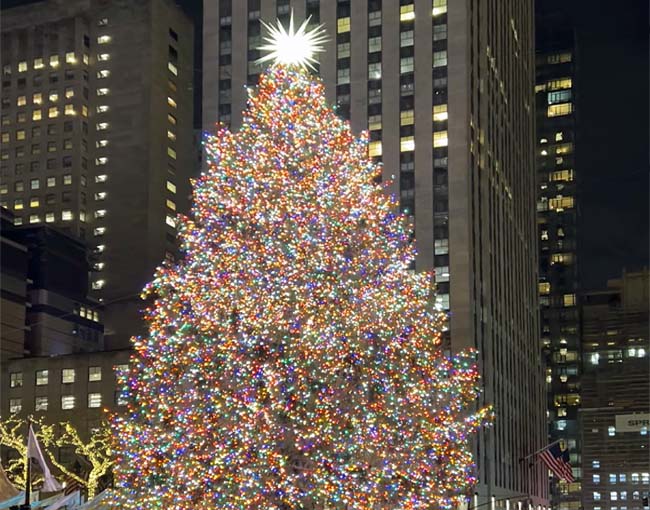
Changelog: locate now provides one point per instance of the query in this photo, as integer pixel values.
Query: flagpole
(28, 474)
(540, 450)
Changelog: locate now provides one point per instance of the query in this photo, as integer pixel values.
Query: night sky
(613, 136)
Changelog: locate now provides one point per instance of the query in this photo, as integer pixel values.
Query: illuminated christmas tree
(293, 360)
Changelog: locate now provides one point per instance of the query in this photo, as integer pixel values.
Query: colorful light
(293, 359)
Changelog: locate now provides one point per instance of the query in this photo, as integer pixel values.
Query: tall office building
(557, 206)
(446, 92)
(616, 395)
(97, 134)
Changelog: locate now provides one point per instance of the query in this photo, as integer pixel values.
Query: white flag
(34, 452)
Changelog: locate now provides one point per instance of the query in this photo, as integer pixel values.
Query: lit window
(103, 57)
(613, 495)
(172, 68)
(439, 58)
(67, 375)
(37, 98)
(67, 179)
(561, 175)
(20, 134)
(101, 126)
(38, 63)
(374, 44)
(406, 65)
(34, 202)
(440, 112)
(374, 122)
(559, 58)
(21, 101)
(406, 38)
(103, 91)
(69, 109)
(67, 402)
(170, 221)
(22, 67)
(171, 205)
(99, 284)
(171, 119)
(442, 274)
(16, 380)
(171, 102)
(35, 184)
(441, 246)
(40, 404)
(42, 377)
(171, 153)
(102, 108)
(343, 76)
(439, 7)
(171, 135)
(406, 118)
(101, 143)
(440, 32)
(597, 496)
(67, 215)
(374, 71)
(544, 287)
(49, 217)
(406, 13)
(104, 73)
(69, 92)
(101, 161)
(100, 213)
(406, 143)
(94, 400)
(374, 149)
(15, 405)
(611, 431)
(343, 50)
(86, 58)
(101, 178)
(342, 25)
(440, 139)
(99, 231)
(53, 112)
(94, 374)
(171, 187)
(557, 110)
(104, 39)
(103, 22)
(18, 204)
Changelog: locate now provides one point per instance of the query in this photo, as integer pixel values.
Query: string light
(293, 360)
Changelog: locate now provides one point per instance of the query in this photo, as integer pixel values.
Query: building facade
(557, 217)
(616, 395)
(445, 90)
(97, 137)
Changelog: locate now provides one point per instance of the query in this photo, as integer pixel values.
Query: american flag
(557, 460)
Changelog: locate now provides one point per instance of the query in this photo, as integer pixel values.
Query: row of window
(53, 60)
(52, 113)
(621, 477)
(68, 375)
(617, 496)
(68, 402)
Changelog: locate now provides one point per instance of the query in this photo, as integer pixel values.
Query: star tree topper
(293, 47)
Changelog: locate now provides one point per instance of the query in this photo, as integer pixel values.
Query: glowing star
(293, 48)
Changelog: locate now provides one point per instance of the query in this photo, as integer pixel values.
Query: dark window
(67, 161)
(173, 34)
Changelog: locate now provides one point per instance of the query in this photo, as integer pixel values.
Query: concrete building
(457, 143)
(73, 388)
(97, 134)
(13, 286)
(616, 395)
(45, 294)
(557, 217)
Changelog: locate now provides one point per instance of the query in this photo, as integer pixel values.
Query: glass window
(375, 149)
(15, 405)
(440, 139)
(94, 373)
(171, 187)
(342, 25)
(439, 7)
(94, 400)
(439, 58)
(439, 32)
(40, 404)
(67, 402)
(440, 113)
(16, 380)
(406, 65)
(42, 377)
(557, 110)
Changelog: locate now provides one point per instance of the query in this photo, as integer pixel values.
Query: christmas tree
(293, 360)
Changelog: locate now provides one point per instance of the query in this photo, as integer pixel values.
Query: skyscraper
(96, 134)
(557, 206)
(457, 147)
(616, 394)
